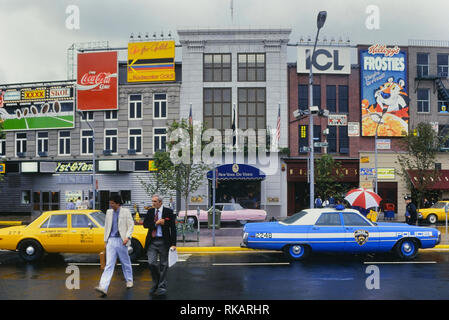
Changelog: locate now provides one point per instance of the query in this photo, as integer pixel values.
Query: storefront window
(25, 197)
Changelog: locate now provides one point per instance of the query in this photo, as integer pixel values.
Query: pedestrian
(85, 204)
(161, 237)
(318, 202)
(70, 205)
(78, 203)
(411, 209)
(118, 229)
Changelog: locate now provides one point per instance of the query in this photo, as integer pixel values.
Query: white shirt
(159, 216)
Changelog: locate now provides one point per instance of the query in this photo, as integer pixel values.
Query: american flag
(278, 127)
(190, 115)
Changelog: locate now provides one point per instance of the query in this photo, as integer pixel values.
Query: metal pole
(93, 160)
(375, 160)
(213, 206)
(446, 209)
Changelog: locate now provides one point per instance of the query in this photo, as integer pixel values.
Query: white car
(229, 212)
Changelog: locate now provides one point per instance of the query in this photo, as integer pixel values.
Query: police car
(337, 230)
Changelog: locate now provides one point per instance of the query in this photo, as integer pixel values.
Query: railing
(428, 43)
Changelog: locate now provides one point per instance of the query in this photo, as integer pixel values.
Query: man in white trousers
(118, 229)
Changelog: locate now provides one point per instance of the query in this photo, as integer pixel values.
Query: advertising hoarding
(385, 102)
(97, 81)
(151, 61)
(326, 60)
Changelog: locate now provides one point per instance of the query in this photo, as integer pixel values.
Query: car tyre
(407, 249)
(135, 250)
(30, 250)
(297, 252)
(432, 219)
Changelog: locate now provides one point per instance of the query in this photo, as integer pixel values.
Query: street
(235, 276)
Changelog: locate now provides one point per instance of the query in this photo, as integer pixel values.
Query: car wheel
(407, 249)
(432, 219)
(135, 250)
(297, 252)
(30, 250)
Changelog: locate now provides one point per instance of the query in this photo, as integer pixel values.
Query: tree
(421, 146)
(327, 175)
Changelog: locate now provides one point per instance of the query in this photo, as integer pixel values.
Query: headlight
(419, 215)
(245, 237)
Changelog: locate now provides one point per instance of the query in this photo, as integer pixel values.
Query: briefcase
(103, 259)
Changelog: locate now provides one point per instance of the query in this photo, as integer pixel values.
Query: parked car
(435, 213)
(337, 230)
(64, 231)
(229, 212)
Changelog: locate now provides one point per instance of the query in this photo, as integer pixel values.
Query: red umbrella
(363, 198)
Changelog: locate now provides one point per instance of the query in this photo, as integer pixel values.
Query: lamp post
(321, 18)
(93, 161)
(380, 121)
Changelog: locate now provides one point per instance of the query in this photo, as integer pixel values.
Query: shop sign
(97, 81)
(2, 168)
(384, 91)
(337, 120)
(272, 199)
(383, 144)
(325, 60)
(237, 172)
(367, 171)
(197, 199)
(13, 95)
(364, 160)
(353, 129)
(385, 173)
(151, 166)
(151, 61)
(60, 93)
(74, 166)
(29, 167)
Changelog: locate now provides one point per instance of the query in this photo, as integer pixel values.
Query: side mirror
(90, 225)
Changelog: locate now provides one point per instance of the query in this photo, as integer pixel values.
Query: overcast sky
(35, 39)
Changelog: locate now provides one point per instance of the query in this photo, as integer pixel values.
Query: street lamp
(321, 18)
(93, 161)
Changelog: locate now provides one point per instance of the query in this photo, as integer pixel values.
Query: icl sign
(329, 59)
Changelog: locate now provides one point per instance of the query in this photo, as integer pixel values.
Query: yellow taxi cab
(64, 231)
(435, 213)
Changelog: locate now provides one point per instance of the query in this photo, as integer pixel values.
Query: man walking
(411, 209)
(161, 237)
(118, 229)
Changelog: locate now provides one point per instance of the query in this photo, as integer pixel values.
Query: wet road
(236, 276)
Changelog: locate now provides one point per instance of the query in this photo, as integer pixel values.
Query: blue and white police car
(337, 230)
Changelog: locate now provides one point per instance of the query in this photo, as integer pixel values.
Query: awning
(237, 172)
(440, 183)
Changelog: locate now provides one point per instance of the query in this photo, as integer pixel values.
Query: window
(422, 60)
(42, 143)
(87, 116)
(317, 95)
(81, 221)
(126, 196)
(21, 143)
(443, 130)
(110, 115)
(423, 100)
(99, 217)
(251, 108)
(25, 197)
(87, 143)
(443, 65)
(55, 221)
(135, 106)
(332, 139)
(343, 99)
(329, 219)
(295, 217)
(64, 143)
(303, 97)
(2, 147)
(251, 67)
(353, 219)
(442, 104)
(135, 140)
(217, 67)
(160, 106)
(343, 144)
(159, 139)
(303, 138)
(110, 140)
(217, 108)
(317, 137)
(331, 98)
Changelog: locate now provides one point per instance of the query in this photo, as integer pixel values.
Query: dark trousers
(159, 268)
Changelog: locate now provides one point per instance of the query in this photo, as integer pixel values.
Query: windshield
(99, 217)
(294, 218)
(439, 205)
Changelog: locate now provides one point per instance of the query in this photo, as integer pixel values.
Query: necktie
(156, 217)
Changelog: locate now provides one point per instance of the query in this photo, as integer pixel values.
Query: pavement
(226, 238)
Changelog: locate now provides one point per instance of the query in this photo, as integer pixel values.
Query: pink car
(229, 212)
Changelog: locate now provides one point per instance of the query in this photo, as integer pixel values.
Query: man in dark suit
(161, 237)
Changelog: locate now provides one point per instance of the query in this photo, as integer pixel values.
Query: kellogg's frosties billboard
(384, 91)
(151, 61)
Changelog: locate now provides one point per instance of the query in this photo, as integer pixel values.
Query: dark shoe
(153, 290)
(160, 292)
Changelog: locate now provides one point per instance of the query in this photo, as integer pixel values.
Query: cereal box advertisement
(384, 92)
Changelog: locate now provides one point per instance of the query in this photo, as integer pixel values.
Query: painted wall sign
(74, 166)
(385, 102)
(337, 120)
(353, 129)
(333, 60)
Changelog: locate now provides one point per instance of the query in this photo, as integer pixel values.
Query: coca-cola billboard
(97, 81)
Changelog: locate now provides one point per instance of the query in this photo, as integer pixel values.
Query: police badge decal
(361, 236)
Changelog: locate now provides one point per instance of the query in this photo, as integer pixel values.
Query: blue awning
(237, 172)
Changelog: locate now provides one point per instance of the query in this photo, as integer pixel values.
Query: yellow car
(64, 231)
(435, 213)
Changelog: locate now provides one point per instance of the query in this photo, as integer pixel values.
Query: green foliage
(327, 176)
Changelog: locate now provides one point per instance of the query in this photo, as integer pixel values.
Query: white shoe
(129, 284)
(101, 290)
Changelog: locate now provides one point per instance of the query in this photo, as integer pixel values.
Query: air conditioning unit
(107, 152)
(131, 151)
(43, 154)
(21, 154)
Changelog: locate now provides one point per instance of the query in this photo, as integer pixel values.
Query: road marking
(400, 262)
(252, 264)
(95, 264)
